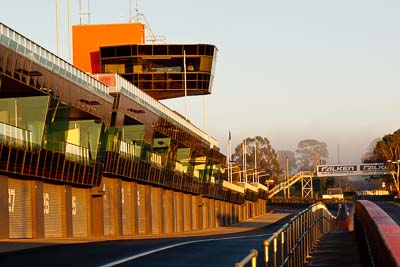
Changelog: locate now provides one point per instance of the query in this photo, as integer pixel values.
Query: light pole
(395, 175)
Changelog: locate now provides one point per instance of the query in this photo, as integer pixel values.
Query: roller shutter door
(224, 213)
(155, 210)
(19, 208)
(195, 212)
(167, 211)
(79, 212)
(52, 209)
(127, 211)
(220, 213)
(108, 207)
(205, 213)
(187, 218)
(211, 213)
(178, 211)
(141, 206)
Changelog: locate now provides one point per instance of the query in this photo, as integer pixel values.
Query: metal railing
(144, 99)
(251, 258)
(15, 136)
(291, 245)
(55, 64)
(288, 183)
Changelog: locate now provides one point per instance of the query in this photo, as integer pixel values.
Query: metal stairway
(306, 182)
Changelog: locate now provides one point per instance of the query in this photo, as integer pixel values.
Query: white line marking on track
(136, 256)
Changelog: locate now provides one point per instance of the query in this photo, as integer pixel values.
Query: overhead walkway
(304, 177)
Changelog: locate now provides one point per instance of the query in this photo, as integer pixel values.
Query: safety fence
(377, 233)
(292, 244)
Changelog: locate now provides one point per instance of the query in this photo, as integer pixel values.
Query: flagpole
(230, 153)
(57, 34)
(255, 163)
(245, 161)
(184, 72)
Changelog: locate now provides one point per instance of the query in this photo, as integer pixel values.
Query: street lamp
(395, 174)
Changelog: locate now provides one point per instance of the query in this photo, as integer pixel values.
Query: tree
(388, 148)
(312, 153)
(259, 149)
(368, 157)
(282, 155)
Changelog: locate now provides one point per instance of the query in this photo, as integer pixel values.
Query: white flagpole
(255, 164)
(184, 71)
(245, 162)
(57, 34)
(69, 31)
(230, 153)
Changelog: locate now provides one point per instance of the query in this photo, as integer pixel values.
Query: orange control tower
(161, 70)
(87, 40)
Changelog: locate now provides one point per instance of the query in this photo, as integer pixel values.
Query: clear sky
(287, 70)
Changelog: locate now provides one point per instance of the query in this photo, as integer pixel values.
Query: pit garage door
(211, 213)
(141, 208)
(178, 207)
(187, 210)
(108, 207)
(195, 212)
(167, 211)
(52, 209)
(126, 204)
(206, 216)
(19, 208)
(79, 212)
(155, 210)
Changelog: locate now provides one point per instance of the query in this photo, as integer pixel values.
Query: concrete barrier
(377, 233)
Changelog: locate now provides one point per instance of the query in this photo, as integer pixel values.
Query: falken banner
(352, 169)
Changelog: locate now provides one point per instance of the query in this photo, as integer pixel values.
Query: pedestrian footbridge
(306, 177)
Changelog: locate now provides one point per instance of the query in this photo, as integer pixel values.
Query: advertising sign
(352, 169)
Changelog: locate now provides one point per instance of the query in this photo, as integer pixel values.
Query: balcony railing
(45, 58)
(144, 99)
(15, 137)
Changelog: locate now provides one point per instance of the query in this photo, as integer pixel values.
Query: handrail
(45, 58)
(378, 233)
(289, 182)
(123, 86)
(15, 136)
(300, 235)
(251, 258)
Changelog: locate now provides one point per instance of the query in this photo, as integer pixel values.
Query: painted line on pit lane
(136, 256)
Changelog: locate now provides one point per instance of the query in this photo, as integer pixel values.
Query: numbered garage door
(79, 212)
(205, 207)
(108, 207)
(187, 212)
(52, 209)
(167, 211)
(127, 211)
(211, 213)
(141, 208)
(155, 210)
(19, 208)
(195, 212)
(178, 207)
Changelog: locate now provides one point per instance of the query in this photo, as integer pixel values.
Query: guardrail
(55, 64)
(292, 244)
(251, 258)
(377, 233)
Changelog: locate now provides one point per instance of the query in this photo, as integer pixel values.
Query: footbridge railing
(291, 244)
(305, 177)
